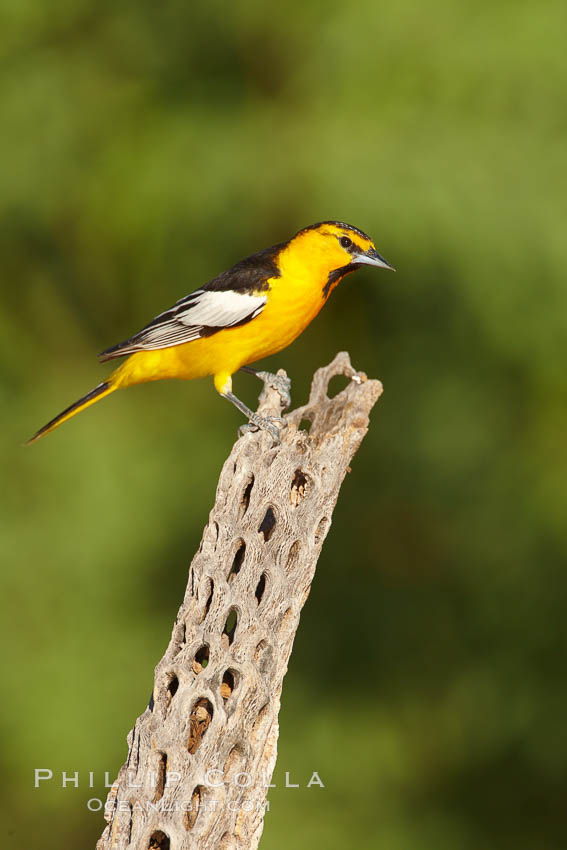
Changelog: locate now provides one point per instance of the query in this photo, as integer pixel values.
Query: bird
(254, 309)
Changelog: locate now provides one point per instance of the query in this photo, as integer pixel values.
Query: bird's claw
(264, 423)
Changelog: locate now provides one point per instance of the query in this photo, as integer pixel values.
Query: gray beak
(372, 258)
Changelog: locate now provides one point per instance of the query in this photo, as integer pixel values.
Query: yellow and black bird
(254, 309)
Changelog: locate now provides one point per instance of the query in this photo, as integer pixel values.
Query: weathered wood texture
(201, 755)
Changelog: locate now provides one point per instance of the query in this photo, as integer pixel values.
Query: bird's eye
(345, 241)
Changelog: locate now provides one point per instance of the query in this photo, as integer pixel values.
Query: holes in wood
(238, 560)
(293, 557)
(172, 686)
(161, 774)
(227, 684)
(260, 588)
(201, 658)
(181, 636)
(245, 498)
(268, 524)
(305, 425)
(130, 811)
(199, 721)
(159, 841)
(229, 628)
(210, 593)
(192, 812)
(321, 530)
(299, 487)
(336, 385)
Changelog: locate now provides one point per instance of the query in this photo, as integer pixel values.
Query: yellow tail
(99, 392)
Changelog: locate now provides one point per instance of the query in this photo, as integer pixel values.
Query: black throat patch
(336, 275)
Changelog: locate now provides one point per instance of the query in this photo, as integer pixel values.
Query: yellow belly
(292, 304)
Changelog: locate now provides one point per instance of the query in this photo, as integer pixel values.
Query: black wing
(232, 298)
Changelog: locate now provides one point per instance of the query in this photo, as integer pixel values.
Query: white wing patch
(219, 309)
(200, 314)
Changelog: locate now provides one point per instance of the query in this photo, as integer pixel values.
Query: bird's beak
(373, 258)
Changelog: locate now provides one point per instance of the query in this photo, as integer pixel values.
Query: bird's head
(333, 249)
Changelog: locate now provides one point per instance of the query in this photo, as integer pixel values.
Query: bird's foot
(280, 384)
(264, 423)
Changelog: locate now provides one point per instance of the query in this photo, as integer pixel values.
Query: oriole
(254, 309)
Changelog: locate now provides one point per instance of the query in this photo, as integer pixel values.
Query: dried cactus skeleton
(202, 754)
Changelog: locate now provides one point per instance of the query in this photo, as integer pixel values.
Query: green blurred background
(146, 147)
